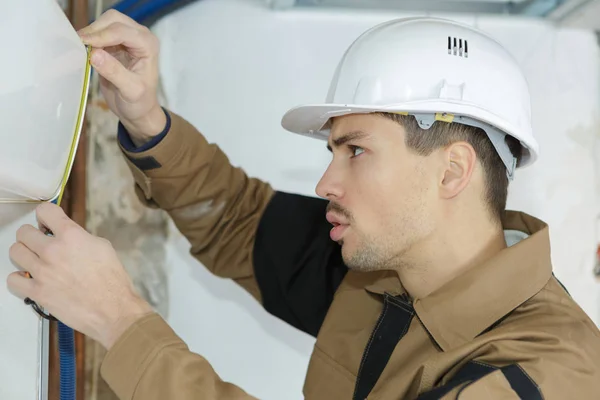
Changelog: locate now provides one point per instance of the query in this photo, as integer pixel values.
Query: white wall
(233, 67)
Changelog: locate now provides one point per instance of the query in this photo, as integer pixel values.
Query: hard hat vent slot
(458, 47)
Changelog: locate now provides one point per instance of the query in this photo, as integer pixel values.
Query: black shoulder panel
(297, 266)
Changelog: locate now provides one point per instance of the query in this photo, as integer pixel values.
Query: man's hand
(125, 55)
(77, 277)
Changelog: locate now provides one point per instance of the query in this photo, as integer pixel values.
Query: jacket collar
(468, 305)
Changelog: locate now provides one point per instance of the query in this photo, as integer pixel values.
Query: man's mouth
(339, 226)
(337, 232)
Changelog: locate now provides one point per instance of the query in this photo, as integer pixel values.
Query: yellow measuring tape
(78, 125)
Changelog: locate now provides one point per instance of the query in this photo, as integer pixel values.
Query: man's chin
(348, 252)
(358, 259)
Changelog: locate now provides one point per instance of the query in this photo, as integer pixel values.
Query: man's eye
(356, 151)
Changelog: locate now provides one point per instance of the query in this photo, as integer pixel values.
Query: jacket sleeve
(150, 362)
(215, 205)
(274, 244)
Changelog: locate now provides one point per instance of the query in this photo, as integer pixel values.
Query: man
(424, 287)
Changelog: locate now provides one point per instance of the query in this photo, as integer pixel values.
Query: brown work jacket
(505, 329)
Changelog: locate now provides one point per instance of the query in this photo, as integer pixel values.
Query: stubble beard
(368, 258)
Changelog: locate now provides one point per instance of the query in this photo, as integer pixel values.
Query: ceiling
(576, 13)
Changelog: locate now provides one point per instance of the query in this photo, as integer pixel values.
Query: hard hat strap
(495, 135)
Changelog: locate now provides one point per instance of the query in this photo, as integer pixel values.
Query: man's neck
(448, 254)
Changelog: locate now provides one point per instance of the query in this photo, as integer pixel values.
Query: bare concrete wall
(138, 234)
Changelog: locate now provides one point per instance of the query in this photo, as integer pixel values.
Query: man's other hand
(76, 277)
(125, 55)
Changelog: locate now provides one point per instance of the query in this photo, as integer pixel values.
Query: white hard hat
(434, 69)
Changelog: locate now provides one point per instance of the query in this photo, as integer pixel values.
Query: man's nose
(330, 187)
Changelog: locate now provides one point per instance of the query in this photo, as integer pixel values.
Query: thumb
(126, 82)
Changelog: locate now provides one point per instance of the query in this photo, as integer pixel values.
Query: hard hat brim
(310, 119)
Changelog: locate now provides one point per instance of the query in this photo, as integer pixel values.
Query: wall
(233, 67)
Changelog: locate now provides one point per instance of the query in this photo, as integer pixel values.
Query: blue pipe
(148, 11)
(67, 360)
(123, 5)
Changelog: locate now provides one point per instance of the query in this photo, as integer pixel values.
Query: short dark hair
(442, 134)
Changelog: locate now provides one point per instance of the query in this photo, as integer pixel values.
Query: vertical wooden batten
(74, 205)
(77, 191)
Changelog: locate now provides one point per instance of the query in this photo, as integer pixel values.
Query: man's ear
(459, 160)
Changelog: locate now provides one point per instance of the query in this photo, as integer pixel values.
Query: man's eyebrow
(345, 138)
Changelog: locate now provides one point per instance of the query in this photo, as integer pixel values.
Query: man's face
(381, 194)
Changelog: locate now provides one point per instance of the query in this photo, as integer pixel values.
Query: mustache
(336, 208)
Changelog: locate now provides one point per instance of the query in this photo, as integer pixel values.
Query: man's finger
(19, 285)
(111, 69)
(24, 258)
(51, 217)
(109, 17)
(117, 33)
(32, 238)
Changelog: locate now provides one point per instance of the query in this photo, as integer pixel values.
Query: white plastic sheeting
(41, 80)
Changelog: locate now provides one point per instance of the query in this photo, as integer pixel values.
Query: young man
(424, 288)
